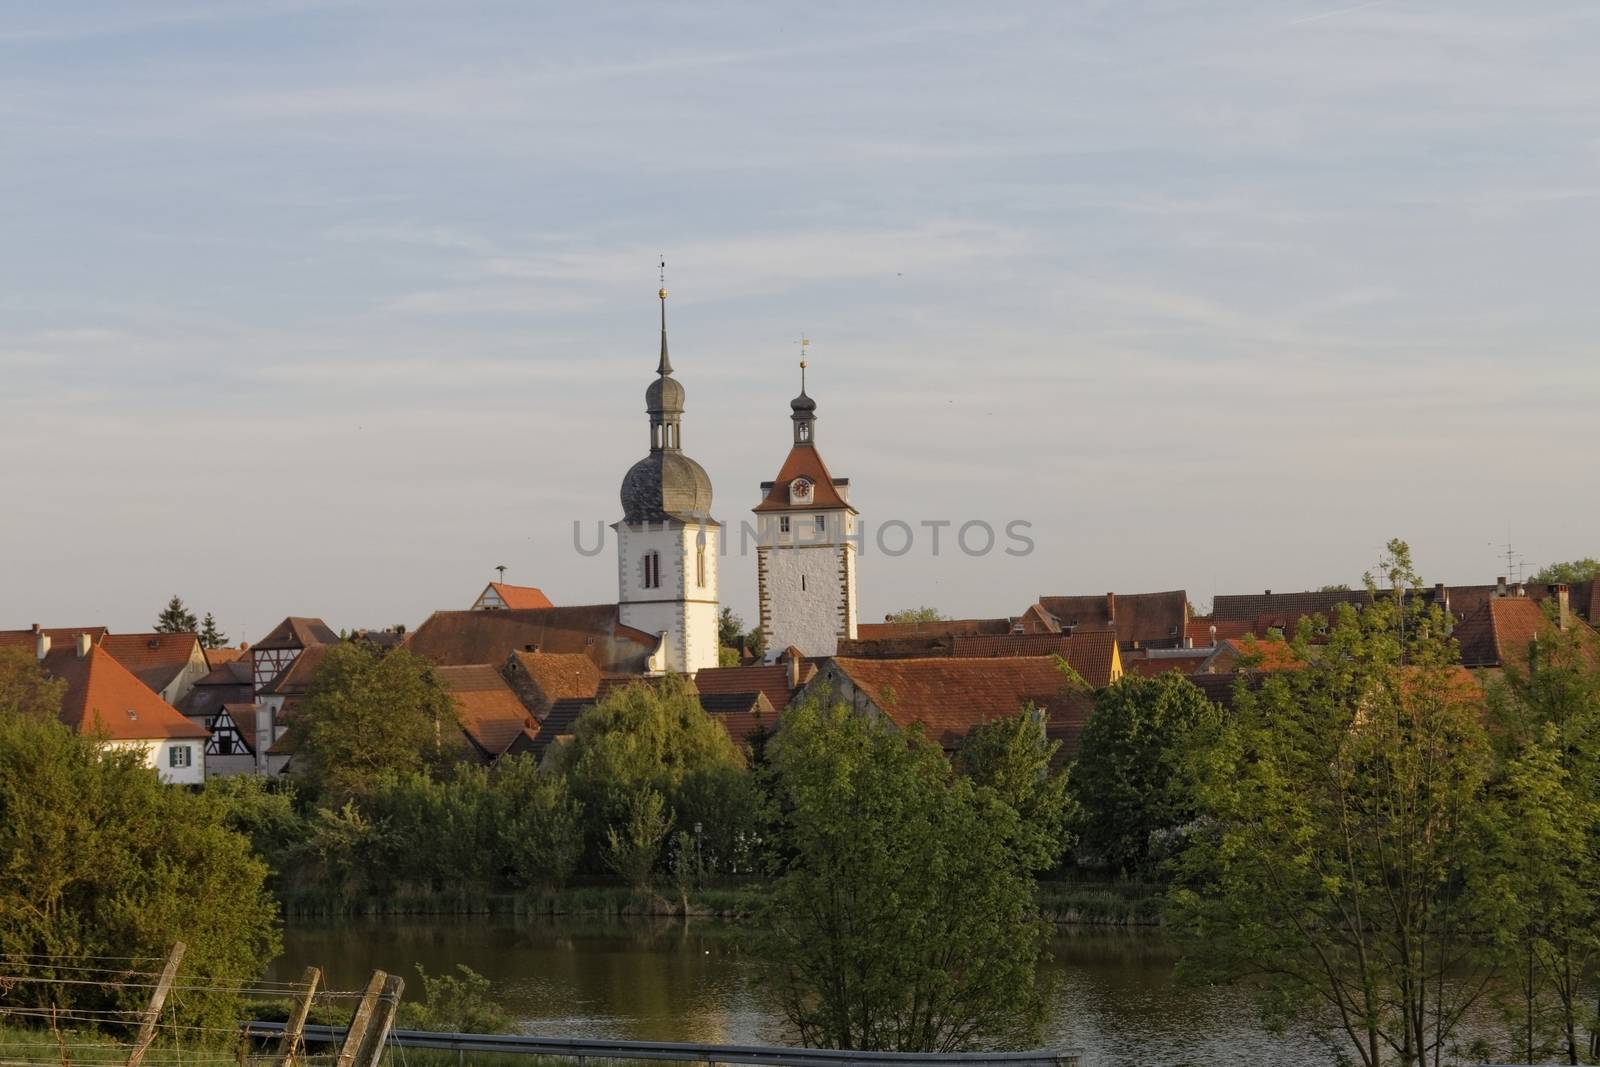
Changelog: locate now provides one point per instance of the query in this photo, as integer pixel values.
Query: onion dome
(666, 485)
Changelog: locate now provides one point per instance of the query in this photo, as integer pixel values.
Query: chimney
(83, 645)
(1268, 593)
(1213, 635)
(35, 627)
(42, 644)
(1500, 586)
(1563, 606)
(1111, 607)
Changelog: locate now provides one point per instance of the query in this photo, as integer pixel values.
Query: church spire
(803, 407)
(665, 366)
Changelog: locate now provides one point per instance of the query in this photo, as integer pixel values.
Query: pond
(1110, 992)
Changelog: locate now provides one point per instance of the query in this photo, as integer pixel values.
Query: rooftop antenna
(1515, 562)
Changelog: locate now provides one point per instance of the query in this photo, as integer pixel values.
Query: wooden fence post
(383, 1021)
(297, 1018)
(362, 1019)
(158, 997)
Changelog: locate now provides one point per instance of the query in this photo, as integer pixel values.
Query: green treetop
(176, 619)
(367, 712)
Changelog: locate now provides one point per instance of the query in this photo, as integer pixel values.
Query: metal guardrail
(584, 1049)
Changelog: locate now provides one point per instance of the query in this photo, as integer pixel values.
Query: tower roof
(666, 484)
(804, 461)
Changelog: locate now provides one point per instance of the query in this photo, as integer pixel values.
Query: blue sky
(328, 308)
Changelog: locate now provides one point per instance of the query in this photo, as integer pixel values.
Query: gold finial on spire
(663, 293)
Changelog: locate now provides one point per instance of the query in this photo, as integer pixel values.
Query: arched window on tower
(805, 431)
(700, 566)
(652, 570)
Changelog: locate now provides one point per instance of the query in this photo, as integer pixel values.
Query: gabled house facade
(104, 699)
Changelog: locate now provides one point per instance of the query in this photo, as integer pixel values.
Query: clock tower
(806, 548)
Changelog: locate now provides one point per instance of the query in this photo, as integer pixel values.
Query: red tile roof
(488, 709)
(1199, 629)
(227, 683)
(803, 461)
(156, 659)
(457, 638)
(104, 697)
(560, 675)
(884, 631)
(1153, 620)
(297, 632)
(1147, 666)
(516, 597)
(773, 681)
(1502, 633)
(59, 636)
(216, 657)
(950, 696)
(296, 678)
(741, 714)
(1093, 655)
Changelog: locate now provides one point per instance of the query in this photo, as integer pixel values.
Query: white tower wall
(683, 604)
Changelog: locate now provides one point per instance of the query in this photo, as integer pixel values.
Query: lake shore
(1061, 903)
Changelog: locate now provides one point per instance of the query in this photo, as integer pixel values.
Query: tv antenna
(1516, 563)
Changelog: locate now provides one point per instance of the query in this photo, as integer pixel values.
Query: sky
(327, 308)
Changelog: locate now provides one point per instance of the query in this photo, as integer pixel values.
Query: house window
(179, 756)
(700, 566)
(783, 524)
(652, 570)
(822, 523)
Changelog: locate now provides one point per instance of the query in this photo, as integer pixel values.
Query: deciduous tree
(1125, 779)
(99, 859)
(24, 688)
(905, 917)
(370, 711)
(1569, 573)
(656, 738)
(1349, 867)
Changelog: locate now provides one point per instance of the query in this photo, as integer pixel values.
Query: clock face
(800, 489)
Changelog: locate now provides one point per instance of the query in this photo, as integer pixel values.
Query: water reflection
(1110, 992)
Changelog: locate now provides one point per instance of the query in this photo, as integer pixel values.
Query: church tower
(667, 541)
(806, 549)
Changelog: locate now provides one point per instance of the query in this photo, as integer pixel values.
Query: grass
(1095, 903)
(731, 903)
(1101, 903)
